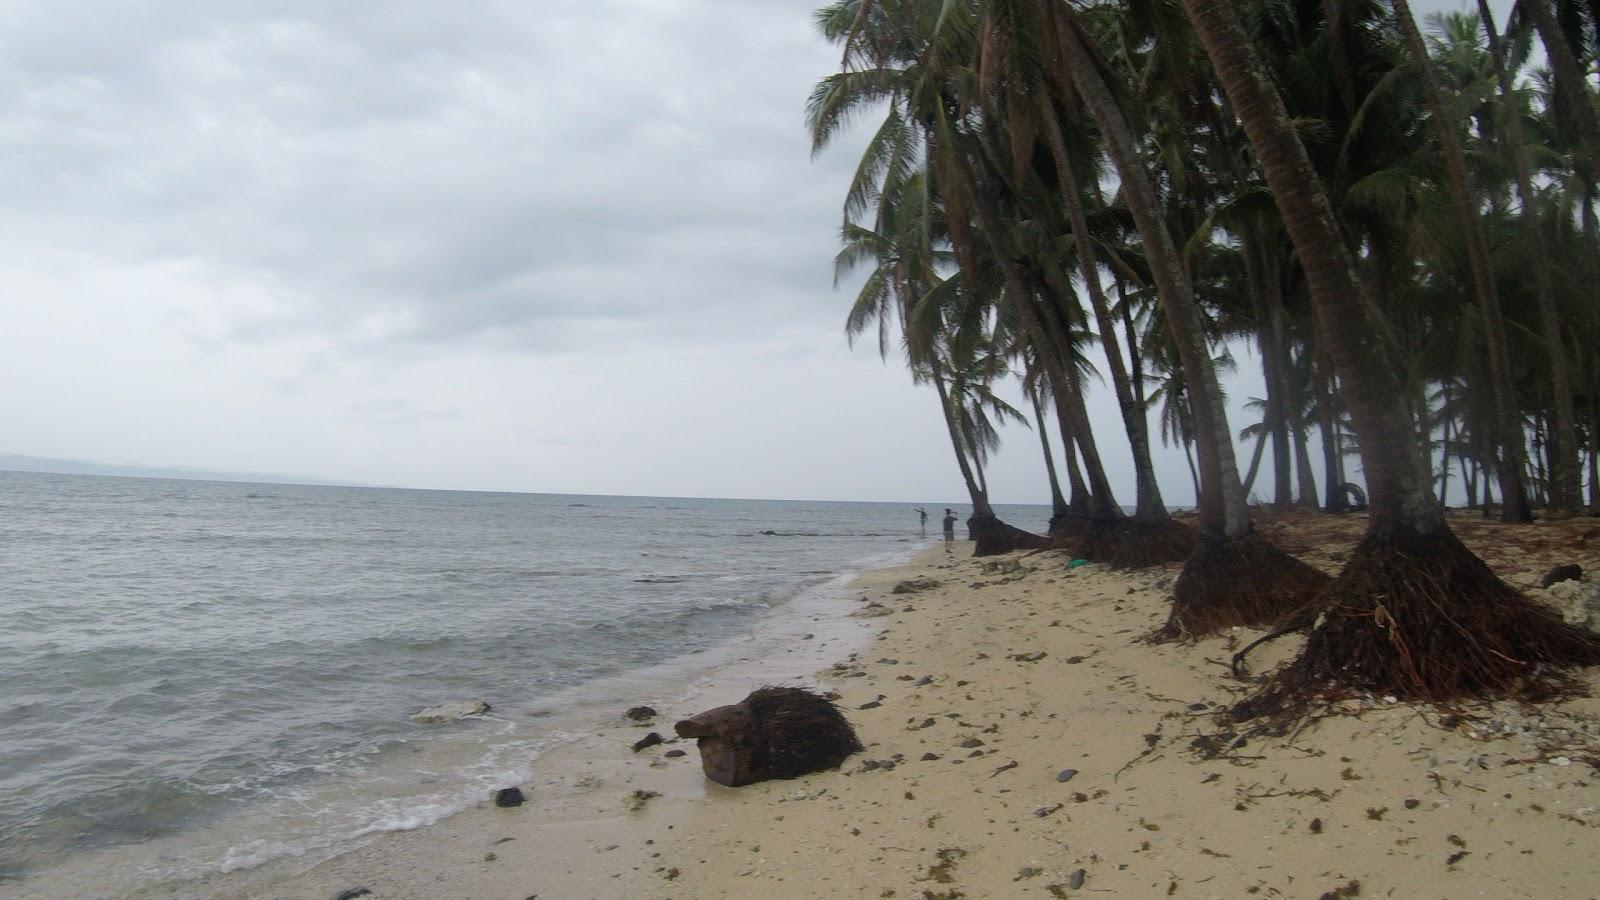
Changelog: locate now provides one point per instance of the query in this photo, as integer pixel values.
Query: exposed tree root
(1419, 617)
(995, 537)
(1129, 543)
(1238, 581)
(1068, 529)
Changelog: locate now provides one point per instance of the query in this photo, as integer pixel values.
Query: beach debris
(641, 714)
(1351, 888)
(675, 754)
(1028, 872)
(508, 797)
(450, 712)
(870, 704)
(916, 585)
(930, 756)
(649, 740)
(491, 856)
(1066, 775)
(353, 893)
(775, 732)
(1570, 572)
(1077, 878)
(924, 681)
(1028, 657)
(637, 800)
(970, 742)
(1077, 563)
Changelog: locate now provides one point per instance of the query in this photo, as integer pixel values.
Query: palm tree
(1210, 592)
(902, 179)
(1414, 613)
(1515, 499)
(1564, 493)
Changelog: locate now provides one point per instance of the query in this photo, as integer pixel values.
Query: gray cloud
(562, 246)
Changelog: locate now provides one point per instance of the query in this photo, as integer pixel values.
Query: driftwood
(776, 732)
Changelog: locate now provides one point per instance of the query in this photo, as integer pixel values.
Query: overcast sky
(567, 246)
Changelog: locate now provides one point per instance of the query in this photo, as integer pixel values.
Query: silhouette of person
(949, 524)
(924, 518)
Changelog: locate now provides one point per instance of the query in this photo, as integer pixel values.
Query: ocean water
(226, 671)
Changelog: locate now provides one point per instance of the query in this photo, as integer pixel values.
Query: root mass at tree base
(1419, 617)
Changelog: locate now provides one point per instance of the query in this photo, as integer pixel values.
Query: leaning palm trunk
(1564, 487)
(1058, 503)
(1046, 334)
(1234, 576)
(1151, 537)
(1414, 613)
(991, 535)
(1513, 490)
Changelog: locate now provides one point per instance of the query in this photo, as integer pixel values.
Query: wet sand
(1022, 741)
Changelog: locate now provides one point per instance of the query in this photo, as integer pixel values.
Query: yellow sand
(1044, 668)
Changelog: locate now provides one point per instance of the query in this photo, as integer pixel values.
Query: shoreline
(1021, 742)
(529, 737)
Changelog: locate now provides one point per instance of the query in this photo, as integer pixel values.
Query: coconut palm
(1414, 612)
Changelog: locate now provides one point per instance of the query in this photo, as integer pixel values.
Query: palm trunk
(980, 500)
(1255, 459)
(1058, 503)
(1149, 505)
(1224, 511)
(1444, 450)
(1567, 474)
(1417, 614)
(1400, 487)
(1048, 336)
(1270, 338)
(1332, 466)
(1135, 362)
(1305, 481)
(1513, 490)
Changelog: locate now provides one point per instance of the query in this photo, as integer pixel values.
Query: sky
(575, 246)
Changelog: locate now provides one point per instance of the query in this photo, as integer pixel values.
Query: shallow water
(179, 657)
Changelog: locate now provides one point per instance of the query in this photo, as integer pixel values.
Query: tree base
(1419, 617)
(1130, 543)
(1244, 581)
(995, 537)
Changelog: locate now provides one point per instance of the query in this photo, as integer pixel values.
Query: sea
(199, 677)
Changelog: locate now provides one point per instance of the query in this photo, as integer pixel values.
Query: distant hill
(13, 462)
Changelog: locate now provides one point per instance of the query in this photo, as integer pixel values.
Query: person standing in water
(924, 518)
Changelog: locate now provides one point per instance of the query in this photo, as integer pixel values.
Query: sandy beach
(1022, 741)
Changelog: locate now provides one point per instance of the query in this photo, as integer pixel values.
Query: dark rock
(775, 732)
(924, 681)
(1573, 572)
(674, 754)
(930, 757)
(506, 797)
(1077, 879)
(971, 742)
(353, 893)
(870, 704)
(649, 740)
(1413, 804)
(1066, 775)
(641, 713)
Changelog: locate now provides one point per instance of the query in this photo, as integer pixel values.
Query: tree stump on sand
(776, 732)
